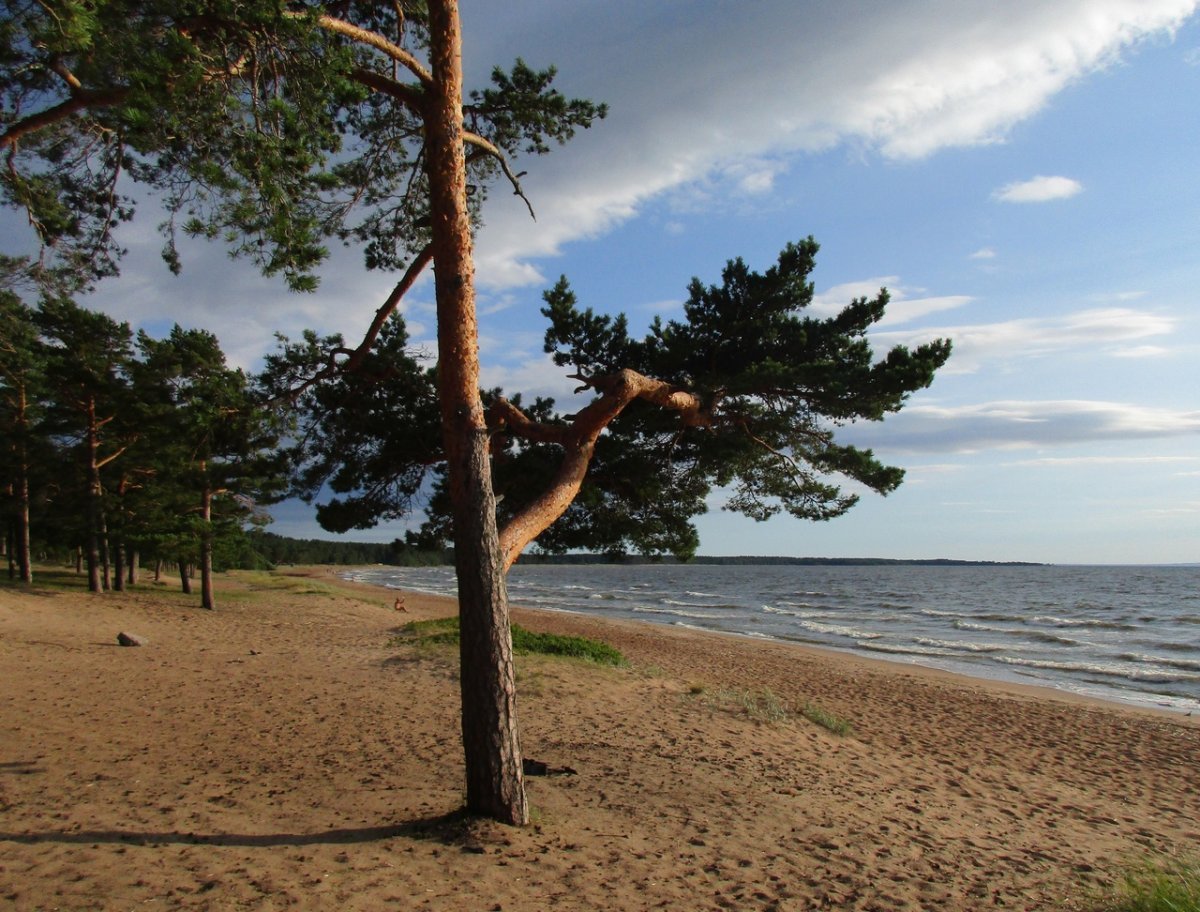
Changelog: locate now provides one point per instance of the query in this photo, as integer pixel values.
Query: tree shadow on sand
(453, 829)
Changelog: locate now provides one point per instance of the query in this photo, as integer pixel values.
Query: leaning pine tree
(745, 393)
(277, 126)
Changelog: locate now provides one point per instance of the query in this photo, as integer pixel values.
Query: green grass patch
(444, 631)
(827, 720)
(1170, 885)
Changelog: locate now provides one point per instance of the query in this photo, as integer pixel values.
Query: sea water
(1130, 634)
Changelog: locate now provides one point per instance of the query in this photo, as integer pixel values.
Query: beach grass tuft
(1170, 885)
(442, 631)
(827, 720)
(761, 705)
(764, 705)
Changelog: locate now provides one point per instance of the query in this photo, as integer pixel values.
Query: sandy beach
(285, 752)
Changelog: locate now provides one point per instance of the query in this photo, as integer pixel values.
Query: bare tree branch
(405, 94)
(354, 357)
(79, 100)
(578, 440)
(377, 41)
(487, 148)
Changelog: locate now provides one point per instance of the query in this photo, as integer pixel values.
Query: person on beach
(399, 606)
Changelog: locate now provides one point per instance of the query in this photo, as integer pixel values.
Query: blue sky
(1021, 176)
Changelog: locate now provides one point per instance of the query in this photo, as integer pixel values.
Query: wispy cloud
(1038, 190)
(1141, 351)
(902, 307)
(1015, 424)
(992, 343)
(1072, 462)
(983, 253)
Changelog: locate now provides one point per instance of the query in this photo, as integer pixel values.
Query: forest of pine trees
(124, 454)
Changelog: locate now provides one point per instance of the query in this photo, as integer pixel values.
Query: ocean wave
(813, 612)
(985, 616)
(1169, 646)
(960, 645)
(674, 612)
(839, 630)
(1128, 673)
(1042, 637)
(1054, 621)
(1181, 664)
(984, 628)
(724, 606)
(896, 649)
(902, 607)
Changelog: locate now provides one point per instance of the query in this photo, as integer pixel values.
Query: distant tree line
(279, 549)
(125, 450)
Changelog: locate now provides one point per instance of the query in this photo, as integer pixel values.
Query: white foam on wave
(840, 630)
(786, 612)
(1181, 664)
(960, 645)
(897, 649)
(983, 628)
(1104, 669)
(674, 612)
(1054, 621)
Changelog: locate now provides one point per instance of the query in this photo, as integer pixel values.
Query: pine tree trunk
(185, 580)
(118, 578)
(20, 543)
(207, 599)
(21, 536)
(93, 503)
(105, 553)
(495, 780)
(131, 576)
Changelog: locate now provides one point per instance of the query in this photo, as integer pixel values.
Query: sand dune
(280, 752)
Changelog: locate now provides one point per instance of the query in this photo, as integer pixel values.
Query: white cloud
(1070, 462)
(1039, 190)
(913, 77)
(989, 343)
(1141, 351)
(901, 308)
(983, 253)
(666, 306)
(1015, 424)
(538, 376)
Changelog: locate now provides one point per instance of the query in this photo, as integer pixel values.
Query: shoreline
(1000, 678)
(284, 750)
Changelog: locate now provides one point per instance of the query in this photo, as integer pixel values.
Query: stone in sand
(131, 639)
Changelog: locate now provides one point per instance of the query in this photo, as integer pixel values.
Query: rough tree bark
(208, 598)
(495, 782)
(95, 492)
(21, 531)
